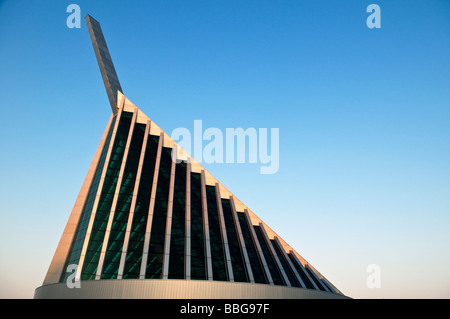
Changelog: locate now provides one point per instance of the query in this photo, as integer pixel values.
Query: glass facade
(215, 236)
(157, 234)
(301, 272)
(198, 262)
(271, 264)
(323, 281)
(284, 263)
(239, 271)
(122, 209)
(104, 206)
(252, 235)
(137, 235)
(316, 280)
(177, 238)
(255, 262)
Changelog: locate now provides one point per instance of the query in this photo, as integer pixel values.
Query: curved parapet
(176, 289)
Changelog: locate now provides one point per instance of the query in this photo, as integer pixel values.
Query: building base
(176, 289)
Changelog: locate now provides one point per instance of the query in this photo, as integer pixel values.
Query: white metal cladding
(177, 289)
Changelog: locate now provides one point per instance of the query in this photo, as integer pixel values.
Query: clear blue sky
(364, 119)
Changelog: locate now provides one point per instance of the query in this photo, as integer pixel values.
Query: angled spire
(109, 75)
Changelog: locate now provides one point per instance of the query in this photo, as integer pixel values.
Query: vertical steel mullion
(168, 231)
(151, 208)
(330, 288)
(304, 270)
(187, 241)
(241, 241)
(258, 248)
(274, 254)
(318, 279)
(133, 202)
(206, 237)
(223, 232)
(97, 196)
(116, 197)
(289, 262)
